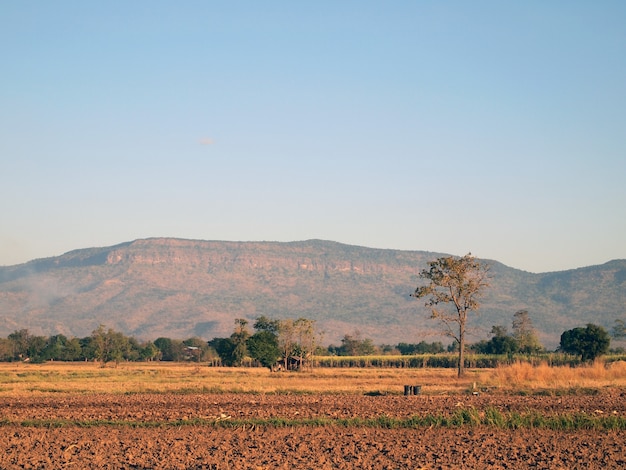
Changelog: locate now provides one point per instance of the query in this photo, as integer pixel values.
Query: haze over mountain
(182, 288)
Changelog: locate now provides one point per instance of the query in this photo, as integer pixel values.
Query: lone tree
(456, 281)
(525, 334)
(588, 343)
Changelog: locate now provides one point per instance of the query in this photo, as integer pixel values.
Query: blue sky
(492, 127)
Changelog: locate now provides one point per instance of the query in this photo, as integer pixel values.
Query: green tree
(263, 323)
(239, 338)
(149, 352)
(72, 350)
(233, 350)
(420, 348)
(588, 343)
(109, 345)
(54, 349)
(87, 348)
(355, 345)
(20, 340)
(525, 334)
(224, 348)
(456, 282)
(500, 343)
(36, 346)
(263, 347)
(169, 349)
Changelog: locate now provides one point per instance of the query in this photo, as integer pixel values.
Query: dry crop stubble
(162, 377)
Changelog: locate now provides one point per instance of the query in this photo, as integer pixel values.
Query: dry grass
(19, 379)
(171, 377)
(523, 375)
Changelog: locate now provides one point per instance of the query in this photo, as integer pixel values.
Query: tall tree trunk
(461, 365)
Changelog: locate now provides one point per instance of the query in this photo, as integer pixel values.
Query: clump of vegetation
(526, 376)
(286, 344)
(524, 339)
(588, 343)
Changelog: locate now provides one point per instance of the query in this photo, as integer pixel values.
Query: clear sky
(491, 127)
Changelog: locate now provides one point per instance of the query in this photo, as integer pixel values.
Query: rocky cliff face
(183, 288)
(321, 257)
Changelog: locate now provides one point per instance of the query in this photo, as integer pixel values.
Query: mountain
(183, 288)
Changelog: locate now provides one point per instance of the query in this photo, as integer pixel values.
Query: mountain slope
(181, 288)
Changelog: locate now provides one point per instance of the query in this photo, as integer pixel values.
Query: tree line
(278, 344)
(104, 345)
(287, 345)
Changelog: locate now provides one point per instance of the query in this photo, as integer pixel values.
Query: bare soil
(298, 447)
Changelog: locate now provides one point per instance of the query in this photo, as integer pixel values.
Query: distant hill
(183, 288)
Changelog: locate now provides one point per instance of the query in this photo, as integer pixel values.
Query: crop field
(190, 416)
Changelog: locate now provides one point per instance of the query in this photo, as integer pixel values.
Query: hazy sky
(485, 126)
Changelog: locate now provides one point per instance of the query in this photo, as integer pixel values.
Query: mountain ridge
(181, 288)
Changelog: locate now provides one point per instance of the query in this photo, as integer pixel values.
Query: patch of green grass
(493, 417)
(463, 417)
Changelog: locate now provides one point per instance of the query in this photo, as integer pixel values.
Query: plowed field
(142, 431)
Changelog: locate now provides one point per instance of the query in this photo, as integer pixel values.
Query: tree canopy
(589, 342)
(290, 341)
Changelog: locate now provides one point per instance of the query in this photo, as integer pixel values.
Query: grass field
(161, 377)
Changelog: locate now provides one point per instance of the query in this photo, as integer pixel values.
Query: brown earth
(297, 447)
